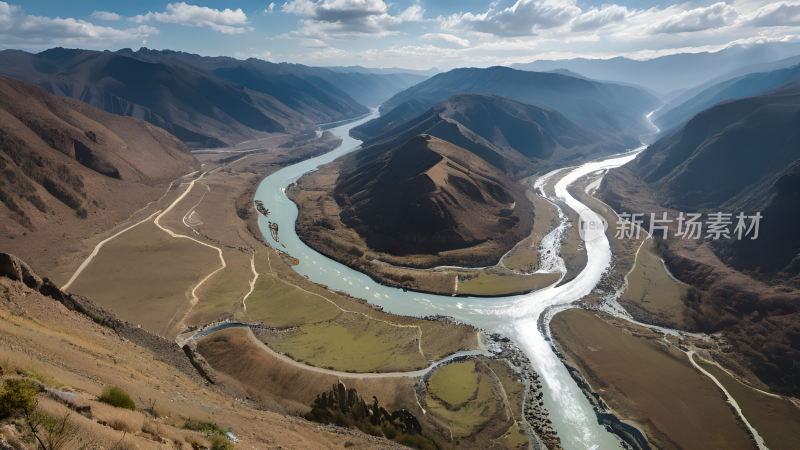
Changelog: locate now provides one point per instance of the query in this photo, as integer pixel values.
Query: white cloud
(774, 14)
(524, 18)
(598, 18)
(18, 28)
(715, 16)
(412, 14)
(446, 37)
(105, 15)
(313, 43)
(227, 21)
(349, 18)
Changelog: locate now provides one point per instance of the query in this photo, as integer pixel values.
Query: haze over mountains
(672, 72)
(614, 110)
(675, 114)
(205, 102)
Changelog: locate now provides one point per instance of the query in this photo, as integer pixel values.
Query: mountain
(428, 196)
(748, 152)
(737, 156)
(397, 116)
(615, 111)
(671, 72)
(204, 101)
(752, 84)
(680, 96)
(570, 73)
(68, 170)
(512, 136)
(390, 70)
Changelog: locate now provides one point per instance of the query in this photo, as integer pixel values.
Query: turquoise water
(514, 316)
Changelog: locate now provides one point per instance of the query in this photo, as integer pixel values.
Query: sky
(412, 34)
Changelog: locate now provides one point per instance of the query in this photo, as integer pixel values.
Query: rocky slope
(68, 170)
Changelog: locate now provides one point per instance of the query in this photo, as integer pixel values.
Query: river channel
(514, 316)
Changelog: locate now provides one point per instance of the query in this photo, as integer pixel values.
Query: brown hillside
(428, 196)
(68, 170)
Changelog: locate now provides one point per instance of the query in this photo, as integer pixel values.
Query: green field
(455, 383)
(279, 304)
(494, 284)
(354, 343)
(775, 419)
(460, 382)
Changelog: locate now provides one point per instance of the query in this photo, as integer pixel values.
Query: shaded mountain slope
(512, 136)
(428, 196)
(204, 101)
(738, 156)
(68, 170)
(741, 155)
(752, 84)
(615, 111)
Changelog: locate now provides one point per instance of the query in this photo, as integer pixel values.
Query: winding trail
(759, 439)
(414, 374)
(252, 283)
(194, 300)
(97, 250)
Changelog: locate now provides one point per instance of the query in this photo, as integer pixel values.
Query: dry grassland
(145, 276)
(652, 292)
(649, 383)
(777, 420)
(41, 336)
(269, 379)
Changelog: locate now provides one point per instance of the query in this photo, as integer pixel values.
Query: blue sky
(416, 34)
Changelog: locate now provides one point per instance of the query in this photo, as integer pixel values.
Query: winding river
(515, 316)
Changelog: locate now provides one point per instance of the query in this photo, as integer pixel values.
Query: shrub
(203, 427)
(220, 443)
(17, 395)
(115, 396)
(193, 442)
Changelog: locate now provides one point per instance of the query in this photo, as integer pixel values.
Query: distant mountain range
(68, 169)
(512, 136)
(204, 101)
(428, 196)
(672, 72)
(616, 111)
(384, 71)
(673, 115)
